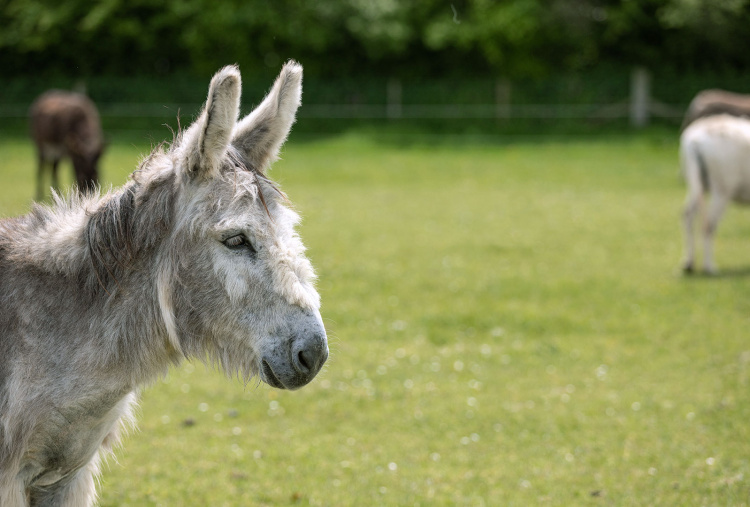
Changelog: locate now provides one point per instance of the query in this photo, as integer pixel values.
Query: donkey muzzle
(298, 365)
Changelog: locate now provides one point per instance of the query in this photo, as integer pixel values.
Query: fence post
(640, 97)
(502, 98)
(393, 108)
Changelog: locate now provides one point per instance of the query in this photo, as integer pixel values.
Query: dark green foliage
(332, 38)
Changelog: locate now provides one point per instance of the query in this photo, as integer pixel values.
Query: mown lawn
(507, 324)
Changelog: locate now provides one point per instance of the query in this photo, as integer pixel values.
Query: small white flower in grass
(185, 388)
(710, 461)
(408, 383)
(392, 466)
(497, 332)
(383, 490)
(203, 407)
(569, 457)
(524, 484)
(274, 405)
(458, 365)
(486, 350)
(465, 440)
(400, 353)
(165, 419)
(652, 471)
(690, 416)
(398, 325)
(435, 456)
(325, 384)
(472, 402)
(257, 454)
(236, 430)
(382, 370)
(601, 371)
(218, 417)
(475, 437)
(636, 406)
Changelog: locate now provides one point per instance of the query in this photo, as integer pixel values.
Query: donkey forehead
(240, 200)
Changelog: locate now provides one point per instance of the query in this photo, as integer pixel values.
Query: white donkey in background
(195, 257)
(715, 156)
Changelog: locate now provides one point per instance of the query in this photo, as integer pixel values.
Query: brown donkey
(66, 125)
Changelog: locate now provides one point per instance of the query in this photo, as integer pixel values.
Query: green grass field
(507, 324)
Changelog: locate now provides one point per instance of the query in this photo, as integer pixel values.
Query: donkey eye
(239, 242)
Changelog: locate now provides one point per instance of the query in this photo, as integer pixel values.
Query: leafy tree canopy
(333, 38)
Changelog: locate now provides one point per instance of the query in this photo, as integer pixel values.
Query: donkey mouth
(271, 378)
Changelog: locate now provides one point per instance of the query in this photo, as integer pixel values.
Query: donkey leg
(40, 178)
(715, 209)
(692, 205)
(82, 490)
(55, 182)
(78, 491)
(12, 493)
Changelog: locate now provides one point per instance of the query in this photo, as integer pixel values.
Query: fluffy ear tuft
(205, 143)
(260, 134)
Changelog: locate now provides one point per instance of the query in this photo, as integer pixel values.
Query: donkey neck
(98, 259)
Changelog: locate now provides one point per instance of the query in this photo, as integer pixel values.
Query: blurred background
(464, 66)
(491, 197)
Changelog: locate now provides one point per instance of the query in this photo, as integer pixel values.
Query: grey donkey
(195, 257)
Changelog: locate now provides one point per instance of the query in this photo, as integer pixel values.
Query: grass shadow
(735, 272)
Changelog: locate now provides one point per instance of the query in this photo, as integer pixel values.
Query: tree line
(407, 38)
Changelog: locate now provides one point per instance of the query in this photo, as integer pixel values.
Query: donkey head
(234, 285)
(86, 162)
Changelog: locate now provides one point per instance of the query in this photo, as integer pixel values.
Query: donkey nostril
(304, 361)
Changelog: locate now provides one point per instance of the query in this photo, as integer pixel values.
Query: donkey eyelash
(238, 242)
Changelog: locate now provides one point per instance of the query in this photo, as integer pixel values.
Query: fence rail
(621, 110)
(592, 97)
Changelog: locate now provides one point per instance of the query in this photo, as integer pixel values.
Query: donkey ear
(260, 134)
(206, 141)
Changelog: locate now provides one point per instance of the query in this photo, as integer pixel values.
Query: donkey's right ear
(205, 143)
(260, 134)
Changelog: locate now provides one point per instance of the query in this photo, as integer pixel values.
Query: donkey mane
(106, 234)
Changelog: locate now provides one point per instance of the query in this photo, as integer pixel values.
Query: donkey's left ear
(206, 141)
(260, 134)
